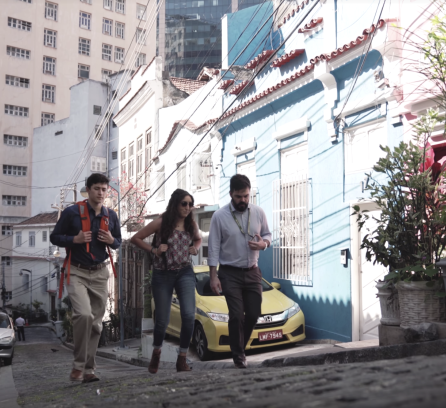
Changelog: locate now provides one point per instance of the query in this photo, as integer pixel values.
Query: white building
(47, 47)
(33, 263)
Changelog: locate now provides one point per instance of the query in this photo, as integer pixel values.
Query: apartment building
(46, 47)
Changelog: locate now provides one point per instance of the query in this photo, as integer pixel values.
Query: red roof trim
(131, 99)
(125, 93)
(135, 72)
(286, 58)
(309, 26)
(148, 65)
(263, 56)
(239, 88)
(226, 84)
(296, 10)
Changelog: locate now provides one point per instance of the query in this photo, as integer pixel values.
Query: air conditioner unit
(47, 100)
(47, 71)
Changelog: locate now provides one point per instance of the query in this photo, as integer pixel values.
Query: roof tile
(187, 85)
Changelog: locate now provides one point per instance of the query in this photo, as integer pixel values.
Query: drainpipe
(108, 129)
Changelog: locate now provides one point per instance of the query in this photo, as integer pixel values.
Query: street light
(31, 286)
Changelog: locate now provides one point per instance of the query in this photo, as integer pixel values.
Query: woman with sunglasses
(176, 239)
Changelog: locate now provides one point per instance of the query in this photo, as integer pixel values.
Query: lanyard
(238, 224)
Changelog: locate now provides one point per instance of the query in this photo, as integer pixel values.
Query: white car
(7, 338)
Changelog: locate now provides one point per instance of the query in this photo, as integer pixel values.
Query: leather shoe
(88, 378)
(76, 375)
(241, 364)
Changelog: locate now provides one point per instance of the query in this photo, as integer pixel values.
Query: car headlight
(293, 310)
(219, 317)
(6, 340)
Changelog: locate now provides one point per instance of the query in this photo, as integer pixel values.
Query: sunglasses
(186, 203)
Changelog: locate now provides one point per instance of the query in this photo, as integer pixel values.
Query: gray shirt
(227, 245)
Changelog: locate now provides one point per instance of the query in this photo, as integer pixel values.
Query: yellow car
(281, 321)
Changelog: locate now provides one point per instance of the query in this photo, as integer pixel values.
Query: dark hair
(169, 220)
(239, 182)
(97, 178)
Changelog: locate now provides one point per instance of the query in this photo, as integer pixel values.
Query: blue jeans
(163, 284)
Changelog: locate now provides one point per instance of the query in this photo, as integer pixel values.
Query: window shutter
(96, 110)
(93, 163)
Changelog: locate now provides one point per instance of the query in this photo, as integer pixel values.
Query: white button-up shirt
(227, 245)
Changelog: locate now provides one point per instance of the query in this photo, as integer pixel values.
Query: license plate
(270, 335)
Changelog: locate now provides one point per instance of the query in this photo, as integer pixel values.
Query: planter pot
(419, 304)
(146, 325)
(390, 308)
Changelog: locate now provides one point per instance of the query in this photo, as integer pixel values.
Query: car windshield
(204, 287)
(4, 321)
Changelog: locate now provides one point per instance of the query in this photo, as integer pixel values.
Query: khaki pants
(88, 293)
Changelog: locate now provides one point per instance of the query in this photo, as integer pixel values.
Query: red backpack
(86, 226)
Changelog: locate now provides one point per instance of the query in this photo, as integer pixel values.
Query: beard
(241, 206)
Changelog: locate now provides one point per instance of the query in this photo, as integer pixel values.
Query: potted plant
(407, 185)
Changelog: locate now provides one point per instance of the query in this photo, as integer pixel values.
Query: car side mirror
(276, 285)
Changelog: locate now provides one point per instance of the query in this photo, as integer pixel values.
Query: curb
(431, 348)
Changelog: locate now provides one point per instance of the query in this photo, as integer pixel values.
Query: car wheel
(201, 343)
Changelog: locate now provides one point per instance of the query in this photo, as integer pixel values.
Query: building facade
(49, 46)
(189, 34)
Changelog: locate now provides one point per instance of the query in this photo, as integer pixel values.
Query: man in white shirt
(20, 324)
(237, 233)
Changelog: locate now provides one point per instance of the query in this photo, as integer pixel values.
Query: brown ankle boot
(155, 361)
(182, 364)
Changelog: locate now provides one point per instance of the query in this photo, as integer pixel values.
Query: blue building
(309, 97)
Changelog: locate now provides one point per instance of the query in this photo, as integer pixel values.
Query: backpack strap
(104, 226)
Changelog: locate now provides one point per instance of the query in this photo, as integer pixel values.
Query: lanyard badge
(238, 224)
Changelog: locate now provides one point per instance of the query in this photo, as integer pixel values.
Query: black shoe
(240, 362)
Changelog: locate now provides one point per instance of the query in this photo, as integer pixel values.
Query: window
(86, 1)
(108, 4)
(17, 81)
(84, 46)
(123, 169)
(141, 12)
(139, 157)
(114, 155)
(49, 38)
(119, 55)
(16, 201)
(141, 60)
(84, 20)
(19, 24)
(83, 71)
(105, 74)
(49, 65)
(120, 6)
(107, 52)
(6, 230)
(32, 239)
(10, 170)
(123, 163)
(7, 260)
(107, 26)
(123, 154)
(98, 164)
(249, 170)
(362, 146)
(97, 110)
(181, 177)
(16, 110)
(148, 157)
(26, 1)
(8, 294)
(44, 284)
(18, 52)
(141, 36)
(119, 30)
(48, 93)
(11, 140)
(131, 160)
(51, 11)
(18, 239)
(160, 185)
(46, 118)
(291, 255)
(131, 150)
(44, 236)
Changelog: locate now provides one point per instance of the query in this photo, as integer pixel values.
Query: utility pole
(3, 284)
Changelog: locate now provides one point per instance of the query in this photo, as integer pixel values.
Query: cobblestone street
(41, 379)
